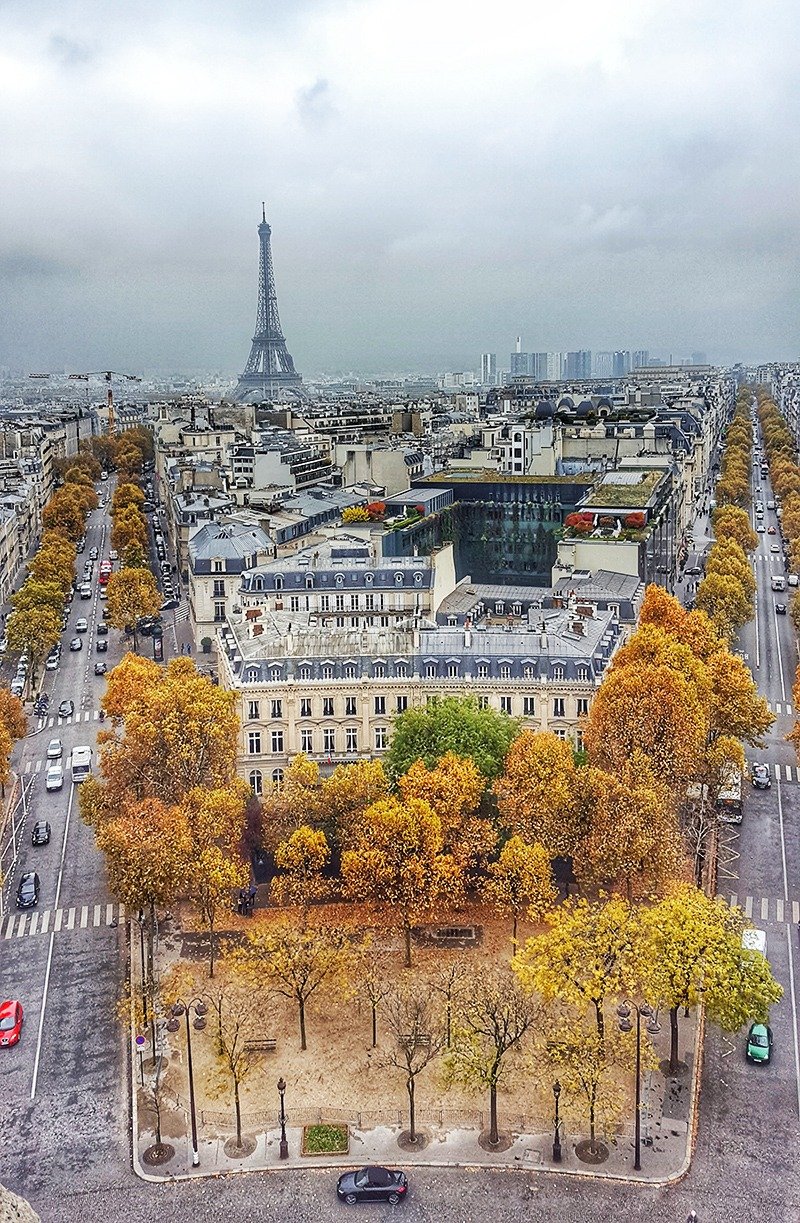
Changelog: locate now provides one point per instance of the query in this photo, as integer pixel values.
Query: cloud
(69, 53)
(314, 103)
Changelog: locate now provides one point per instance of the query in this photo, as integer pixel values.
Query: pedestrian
(241, 904)
(252, 891)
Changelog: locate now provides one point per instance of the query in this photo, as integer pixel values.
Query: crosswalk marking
(20, 925)
(796, 911)
(784, 910)
(779, 909)
(748, 906)
(777, 768)
(788, 772)
(764, 908)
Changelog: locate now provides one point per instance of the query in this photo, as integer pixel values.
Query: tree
(692, 629)
(536, 792)
(633, 837)
(215, 820)
(651, 708)
(33, 631)
(355, 513)
(237, 1004)
(302, 858)
(13, 726)
(129, 529)
(521, 878)
(584, 955)
(65, 514)
(453, 788)
(418, 1039)
(736, 708)
(125, 496)
(347, 793)
(451, 982)
(297, 800)
(493, 1020)
(132, 593)
(34, 594)
(372, 983)
(588, 1070)
(725, 602)
(397, 861)
(299, 962)
(451, 724)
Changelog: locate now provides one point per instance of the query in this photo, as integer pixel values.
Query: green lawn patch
(326, 1139)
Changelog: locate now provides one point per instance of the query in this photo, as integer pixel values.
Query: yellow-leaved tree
(132, 594)
(302, 858)
(521, 879)
(536, 791)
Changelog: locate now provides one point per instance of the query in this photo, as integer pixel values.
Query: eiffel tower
(269, 373)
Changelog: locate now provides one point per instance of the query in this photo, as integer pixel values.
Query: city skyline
(136, 158)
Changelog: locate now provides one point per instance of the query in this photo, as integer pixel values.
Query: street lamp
(173, 1024)
(556, 1134)
(625, 1025)
(284, 1147)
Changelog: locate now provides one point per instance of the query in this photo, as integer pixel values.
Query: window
(505, 670)
(417, 579)
(398, 579)
(327, 707)
(528, 707)
(252, 675)
(339, 579)
(379, 670)
(499, 607)
(381, 738)
(329, 739)
(256, 781)
(275, 674)
(327, 671)
(401, 670)
(483, 670)
(430, 670)
(380, 704)
(258, 583)
(558, 671)
(505, 704)
(560, 733)
(452, 670)
(402, 704)
(217, 566)
(579, 740)
(253, 711)
(304, 672)
(294, 603)
(483, 702)
(279, 583)
(582, 675)
(583, 706)
(306, 740)
(351, 738)
(529, 671)
(516, 608)
(350, 710)
(354, 603)
(219, 590)
(368, 579)
(254, 742)
(305, 707)
(219, 612)
(340, 621)
(277, 742)
(349, 671)
(324, 603)
(309, 582)
(277, 777)
(558, 707)
(277, 709)
(339, 603)
(354, 622)
(369, 602)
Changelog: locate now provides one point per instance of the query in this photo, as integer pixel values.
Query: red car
(772, 531)
(10, 1022)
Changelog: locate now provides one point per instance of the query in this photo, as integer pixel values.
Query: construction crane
(107, 375)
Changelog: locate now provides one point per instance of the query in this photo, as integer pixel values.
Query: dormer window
(340, 579)
(309, 582)
(380, 670)
(417, 579)
(398, 579)
(368, 579)
(279, 582)
(257, 582)
(275, 674)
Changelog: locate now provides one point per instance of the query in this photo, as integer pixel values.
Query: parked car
(76, 644)
(86, 591)
(66, 709)
(774, 548)
(780, 609)
(54, 778)
(28, 890)
(759, 1043)
(170, 605)
(52, 661)
(40, 833)
(114, 555)
(760, 777)
(93, 553)
(54, 750)
(81, 625)
(760, 528)
(17, 687)
(11, 1016)
(372, 1184)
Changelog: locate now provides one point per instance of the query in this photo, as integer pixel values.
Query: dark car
(170, 605)
(66, 709)
(100, 668)
(28, 890)
(102, 647)
(372, 1185)
(694, 571)
(102, 630)
(780, 609)
(40, 833)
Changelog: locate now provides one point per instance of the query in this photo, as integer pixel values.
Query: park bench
(414, 1039)
(265, 1045)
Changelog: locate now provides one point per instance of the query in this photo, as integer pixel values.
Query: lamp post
(284, 1147)
(173, 1024)
(556, 1133)
(625, 1025)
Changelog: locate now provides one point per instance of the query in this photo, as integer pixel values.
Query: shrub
(635, 520)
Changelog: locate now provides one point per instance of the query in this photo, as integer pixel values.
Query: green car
(759, 1043)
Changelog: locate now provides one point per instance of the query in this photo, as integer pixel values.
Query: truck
(81, 764)
(778, 581)
(755, 940)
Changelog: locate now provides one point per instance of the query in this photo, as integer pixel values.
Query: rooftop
(624, 489)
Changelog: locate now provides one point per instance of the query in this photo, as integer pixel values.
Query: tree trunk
(673, 1040)
(374, 1024)
(412, 1116)
(449, 1018)
(592, 1142)
(238, 1105)
(407, 935)
(601, 1027)
(302, 1005)
(514, 933)
(211, 947)
(494, 1133)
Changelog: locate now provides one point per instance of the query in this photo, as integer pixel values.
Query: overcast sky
(440, 176)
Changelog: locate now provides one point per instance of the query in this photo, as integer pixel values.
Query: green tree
(452, 724)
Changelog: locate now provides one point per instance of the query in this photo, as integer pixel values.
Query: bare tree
(418, 1035)
(450, 982)
(238, 1014)
(372, 985)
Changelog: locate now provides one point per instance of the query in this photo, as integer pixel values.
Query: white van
(778, 581)
(755, 940)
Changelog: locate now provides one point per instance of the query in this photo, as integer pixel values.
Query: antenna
(263, 211)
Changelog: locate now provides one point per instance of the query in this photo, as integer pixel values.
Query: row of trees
(784, 473)
(550, 1013)
(132, 591)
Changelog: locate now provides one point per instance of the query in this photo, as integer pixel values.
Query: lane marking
(96, 918)
(779, 909)
(748, 906)
(84, 916)
(764, 908)
(45, 922)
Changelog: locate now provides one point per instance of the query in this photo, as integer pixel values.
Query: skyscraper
(488, 368)
(641, 358)
(621, 363)
(578, 365)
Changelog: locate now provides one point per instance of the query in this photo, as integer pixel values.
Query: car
(793, 579)
(102, 630)
(81, 625)
(40, 833)
(780, 609)
(103, 592)
(28, 890)
(102, 646)
(76, 644)
(93, 553)
(11, 1016)
(760, 777)
(54, 777)
(17, 687)
(772, 531)
(86, 591)
(3, 644)
(694, 571)
(105, 613)
(52, 662)
(114, 555)
(100, 668)
(760, 528)
(170, 605)
(66, 709)
(759, 1043)
(54, 750)
(774, 548)
(372, 1184)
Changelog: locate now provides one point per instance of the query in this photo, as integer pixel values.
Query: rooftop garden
(621, 496)
(489, 475)
(610, 528)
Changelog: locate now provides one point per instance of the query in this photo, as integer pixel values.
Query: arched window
(417, 579)
(277, 777)
(256, 782)
(398, 579)
(258, 582)
(339, 579)
(279, 582)
(309, 581)
(252, 675)
(368, 579)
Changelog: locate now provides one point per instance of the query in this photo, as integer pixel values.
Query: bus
(729, 796)
(81, 764)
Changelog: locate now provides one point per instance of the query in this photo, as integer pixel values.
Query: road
(64, 1140)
